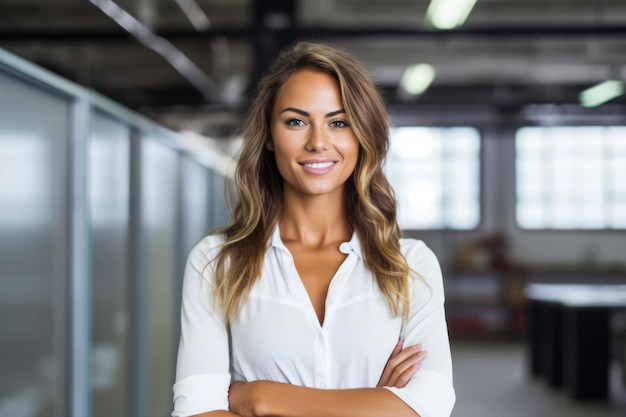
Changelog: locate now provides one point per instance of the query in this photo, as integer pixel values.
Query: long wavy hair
(369, 201)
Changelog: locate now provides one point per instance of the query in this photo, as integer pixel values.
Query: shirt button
(323, 385)
(344, 248)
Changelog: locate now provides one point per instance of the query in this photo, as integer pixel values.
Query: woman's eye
(295, 122)
(338, 123)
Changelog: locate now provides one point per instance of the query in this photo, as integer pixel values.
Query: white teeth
(319, 165)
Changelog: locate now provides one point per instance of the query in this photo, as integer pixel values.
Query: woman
(309, 303)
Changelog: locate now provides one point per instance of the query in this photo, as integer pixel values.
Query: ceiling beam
(495, 32)
(275, 26)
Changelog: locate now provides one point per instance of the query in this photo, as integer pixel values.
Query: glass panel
(530, 176)
(33, 251)
(592, 216)
(617, 214)
(108, 164)
(196, 189)
(530, 144)
(616, 139)
(617, 174)
(463, 213)
(159, 228)
(578, 171)
(219, 209)
(561, 172)
(530, 214)
(435, 175)
(419, 206)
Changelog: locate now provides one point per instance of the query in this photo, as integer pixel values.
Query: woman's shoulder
(416, 250)
(421, 258)
(206, 249)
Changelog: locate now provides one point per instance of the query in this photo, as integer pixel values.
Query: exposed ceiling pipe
(146, 12)
(195, 14)
(205, 85)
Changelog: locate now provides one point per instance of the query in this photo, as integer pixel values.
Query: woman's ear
(269, 145)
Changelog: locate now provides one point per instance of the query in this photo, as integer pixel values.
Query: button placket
(336, 288)
(323, 362)
(333, 297)
(322, 359)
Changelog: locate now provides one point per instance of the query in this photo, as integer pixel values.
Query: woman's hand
(249, 399)
(240, 400)
(401, 366)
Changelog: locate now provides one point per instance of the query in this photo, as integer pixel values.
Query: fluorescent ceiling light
(417, 78)
(601, 93)
(449, 14)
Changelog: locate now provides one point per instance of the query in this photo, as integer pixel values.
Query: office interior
(119, 135)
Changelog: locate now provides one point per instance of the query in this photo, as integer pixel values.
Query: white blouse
(278, 337)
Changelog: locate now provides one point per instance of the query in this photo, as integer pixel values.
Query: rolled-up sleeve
(430, 392)
(202, 369)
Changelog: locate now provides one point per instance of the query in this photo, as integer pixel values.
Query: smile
(319, 165)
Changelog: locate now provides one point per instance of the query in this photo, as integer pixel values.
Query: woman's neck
(314, 220)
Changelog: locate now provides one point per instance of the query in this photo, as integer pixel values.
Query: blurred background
(119, 130)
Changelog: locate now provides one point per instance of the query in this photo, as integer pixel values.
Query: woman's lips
(318, 167)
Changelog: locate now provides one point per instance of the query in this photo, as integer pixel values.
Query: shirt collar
(353, 245)
(275, 240)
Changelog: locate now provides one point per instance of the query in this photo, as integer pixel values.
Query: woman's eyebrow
(335, 113)
(307, 114)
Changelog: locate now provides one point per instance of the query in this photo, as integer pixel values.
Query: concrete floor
(491, 380)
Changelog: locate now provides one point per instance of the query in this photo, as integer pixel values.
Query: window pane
(159, 194)
(33, 250)
(617, 214)
(570, 177)
(531, 213)
(109, 198)
(435, 174)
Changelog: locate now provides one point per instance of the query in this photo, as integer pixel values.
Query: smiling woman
(310, 303)
(313, 143)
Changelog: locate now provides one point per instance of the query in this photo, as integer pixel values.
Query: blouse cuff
(428, 393)
(201, 393)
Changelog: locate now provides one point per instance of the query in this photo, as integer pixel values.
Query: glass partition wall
(98, 209)
(34, 127)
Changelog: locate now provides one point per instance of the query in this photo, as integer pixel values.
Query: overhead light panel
(601, 93)
(449, 14)
(417, 78)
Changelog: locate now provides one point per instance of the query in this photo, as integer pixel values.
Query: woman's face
(314, 146)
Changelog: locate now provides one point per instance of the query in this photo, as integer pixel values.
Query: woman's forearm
(264, 398)
(365, 402)
(218, 413)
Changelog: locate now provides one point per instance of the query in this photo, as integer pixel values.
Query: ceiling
(509, 53)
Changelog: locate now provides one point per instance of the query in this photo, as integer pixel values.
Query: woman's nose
(318, 140)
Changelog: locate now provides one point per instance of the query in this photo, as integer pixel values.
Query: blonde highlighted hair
(369, 200)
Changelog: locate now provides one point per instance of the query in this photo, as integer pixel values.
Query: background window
(435, 173)
(568, 177)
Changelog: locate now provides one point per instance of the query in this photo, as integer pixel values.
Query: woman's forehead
(309, 90)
